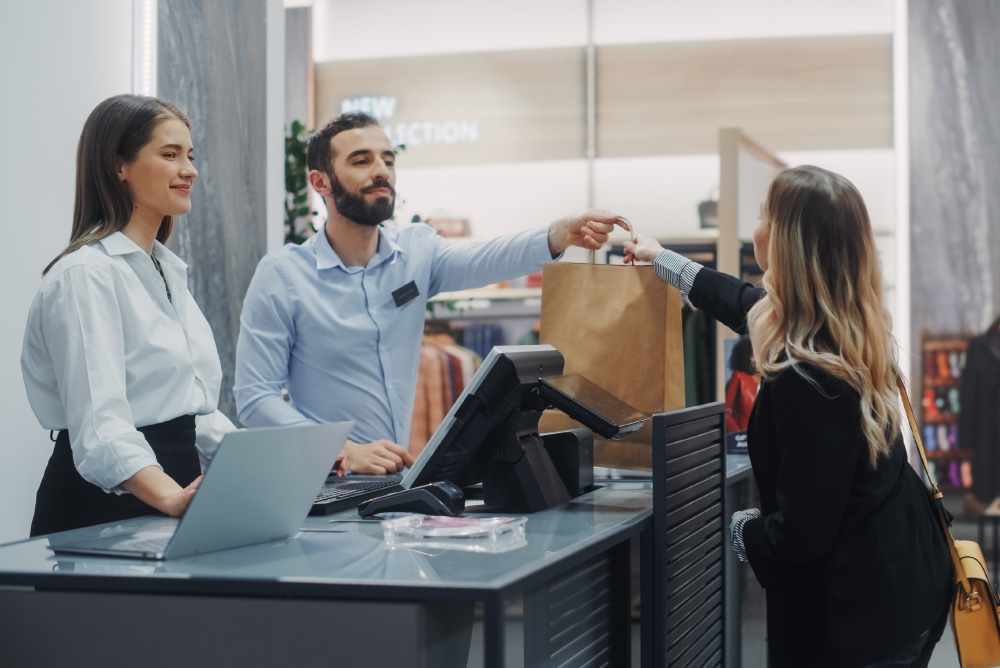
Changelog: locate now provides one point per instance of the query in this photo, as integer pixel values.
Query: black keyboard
(347, 495)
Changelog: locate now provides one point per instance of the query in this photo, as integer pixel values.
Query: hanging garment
(699, 387)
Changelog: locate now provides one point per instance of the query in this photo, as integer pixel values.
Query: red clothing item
(741, 390)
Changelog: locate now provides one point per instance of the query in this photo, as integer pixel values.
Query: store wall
(954, 166)
(63, 69)
(668, 76)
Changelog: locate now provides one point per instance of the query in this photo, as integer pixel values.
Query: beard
(356, 209)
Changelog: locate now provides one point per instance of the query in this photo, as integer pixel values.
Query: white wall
(639, 21)
(349, 30)
(62, 58)
(660, 194)
(496, 198)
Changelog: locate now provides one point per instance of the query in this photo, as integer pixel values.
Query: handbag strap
(592, 257)
(935, 491)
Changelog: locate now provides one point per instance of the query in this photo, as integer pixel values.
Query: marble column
(954, 86)
(212, 65)
(298, 66)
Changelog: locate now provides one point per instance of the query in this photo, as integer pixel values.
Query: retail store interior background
(516, 113)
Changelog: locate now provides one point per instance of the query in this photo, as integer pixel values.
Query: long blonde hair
(824, 296)
(113, 134)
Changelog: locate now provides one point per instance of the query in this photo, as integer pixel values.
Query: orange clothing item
(443, 372)
(741, 390)
(430, 405)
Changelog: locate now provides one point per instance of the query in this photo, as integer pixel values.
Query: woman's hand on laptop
(155, 488)
(378, 458)
(179, 503)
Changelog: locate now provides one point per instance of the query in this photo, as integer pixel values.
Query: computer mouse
(436, 498)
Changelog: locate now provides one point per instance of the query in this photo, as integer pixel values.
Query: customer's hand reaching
(644, 248)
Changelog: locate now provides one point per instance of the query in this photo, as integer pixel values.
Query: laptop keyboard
(345, 496)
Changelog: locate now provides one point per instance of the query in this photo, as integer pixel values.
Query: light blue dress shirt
(334, 336)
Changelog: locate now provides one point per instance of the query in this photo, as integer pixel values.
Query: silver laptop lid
(259, 487)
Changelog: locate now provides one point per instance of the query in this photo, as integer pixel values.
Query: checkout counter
(337, 594)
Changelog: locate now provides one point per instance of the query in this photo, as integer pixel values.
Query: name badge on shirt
(405, 294)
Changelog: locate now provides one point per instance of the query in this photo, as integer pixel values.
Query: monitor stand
(522, 478)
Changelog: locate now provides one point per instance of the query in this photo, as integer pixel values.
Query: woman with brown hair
(856, 570)
(117, 357)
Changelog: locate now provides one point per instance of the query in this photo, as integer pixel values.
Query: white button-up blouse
(106, 352)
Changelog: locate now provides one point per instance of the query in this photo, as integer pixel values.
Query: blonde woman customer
(855, 569)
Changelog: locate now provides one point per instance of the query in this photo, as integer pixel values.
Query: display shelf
(488, 294)
(943, 419)
(699, 236)
(943, 359)
(949, 382)
(950, 343)
(953, 453)
(490, 304)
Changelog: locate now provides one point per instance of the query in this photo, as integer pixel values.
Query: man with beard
(338, 320)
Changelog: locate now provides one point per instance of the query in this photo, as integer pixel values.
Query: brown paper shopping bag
(619, 327)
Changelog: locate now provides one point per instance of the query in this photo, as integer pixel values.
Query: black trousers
(66, 501)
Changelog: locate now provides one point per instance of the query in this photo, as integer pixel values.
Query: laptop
(258, 488)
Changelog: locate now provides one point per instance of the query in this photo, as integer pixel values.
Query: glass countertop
(338, 551)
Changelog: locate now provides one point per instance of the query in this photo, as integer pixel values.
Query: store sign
(379, 107)
(411, 133)
(469, 108)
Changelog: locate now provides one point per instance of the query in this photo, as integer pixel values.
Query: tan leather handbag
(975, 615)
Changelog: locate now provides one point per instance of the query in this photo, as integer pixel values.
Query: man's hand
(588, 230)
(379, 458)
(643, 248)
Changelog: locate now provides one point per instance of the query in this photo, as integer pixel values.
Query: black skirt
(66, 501)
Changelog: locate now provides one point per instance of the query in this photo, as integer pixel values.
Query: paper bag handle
(592, 256)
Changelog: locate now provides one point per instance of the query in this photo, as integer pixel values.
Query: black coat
(979, 419)
(852, 560)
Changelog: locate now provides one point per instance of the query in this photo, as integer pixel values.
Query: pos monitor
(490, 435)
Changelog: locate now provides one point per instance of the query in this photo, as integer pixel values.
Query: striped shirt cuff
(736, 529)
(676, 270)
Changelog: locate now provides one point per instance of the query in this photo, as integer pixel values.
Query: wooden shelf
(951, 382)
(949, 344)
(950, 454)
(944, 419)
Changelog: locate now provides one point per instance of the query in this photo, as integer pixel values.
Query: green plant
(296, 185)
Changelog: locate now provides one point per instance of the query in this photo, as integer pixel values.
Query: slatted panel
(689, 538)
(571, 623)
